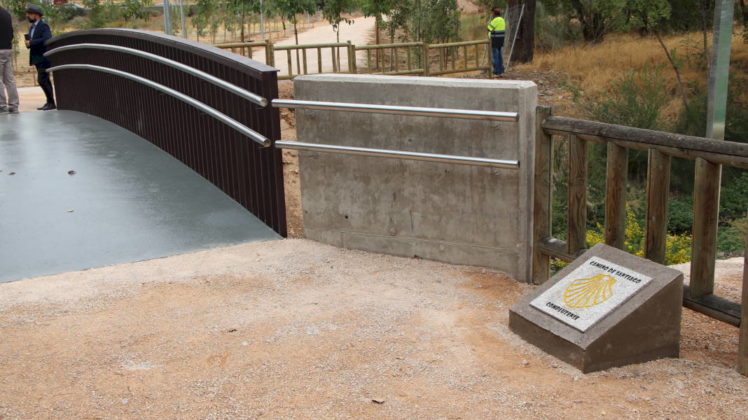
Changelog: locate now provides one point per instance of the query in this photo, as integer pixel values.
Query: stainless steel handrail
(401, 110)
(430, 157)
(253, 97)
(236, 125)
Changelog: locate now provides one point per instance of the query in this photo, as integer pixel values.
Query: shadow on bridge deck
(126, 201)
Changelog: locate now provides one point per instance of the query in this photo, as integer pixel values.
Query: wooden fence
(415, 58)
(661, 147)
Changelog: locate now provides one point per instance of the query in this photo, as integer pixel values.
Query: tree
(291, 9)
(332, 11)
(379, 9)
(597, 17)
(524, 44)
(204, 13)
(649, 15)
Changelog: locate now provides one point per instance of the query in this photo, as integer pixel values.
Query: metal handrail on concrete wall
(398, 110)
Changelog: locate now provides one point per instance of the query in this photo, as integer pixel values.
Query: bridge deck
(126, 201)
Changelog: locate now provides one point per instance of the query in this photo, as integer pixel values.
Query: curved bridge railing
(206, 107)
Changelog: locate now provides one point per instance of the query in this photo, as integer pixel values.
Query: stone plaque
(590, 292)
(607, 308)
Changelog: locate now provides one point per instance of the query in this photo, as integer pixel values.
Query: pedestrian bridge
(78, 192)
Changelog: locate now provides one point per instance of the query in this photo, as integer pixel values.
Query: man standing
(497, 31)
(38, 34)
(8, 91)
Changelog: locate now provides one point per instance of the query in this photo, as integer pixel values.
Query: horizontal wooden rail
(460, 44)
(388, 46)
(676, 145)
(241, 44)
(308, 46)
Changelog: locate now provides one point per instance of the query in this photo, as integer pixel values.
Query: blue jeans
(497, 60)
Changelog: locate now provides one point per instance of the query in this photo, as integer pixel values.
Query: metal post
(167, 17)
(262, 20)
(720, 70)
(182, 19)
(708, 175)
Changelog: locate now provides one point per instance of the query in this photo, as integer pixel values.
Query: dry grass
(595, 66)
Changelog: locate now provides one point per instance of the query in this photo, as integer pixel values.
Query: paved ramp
(125, 201)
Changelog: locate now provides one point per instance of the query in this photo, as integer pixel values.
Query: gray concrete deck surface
(127, 200)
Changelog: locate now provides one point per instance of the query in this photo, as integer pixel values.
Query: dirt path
(297, 329)
(358, 33)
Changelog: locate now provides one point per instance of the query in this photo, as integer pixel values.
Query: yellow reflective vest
(497, 24)
(497, 31)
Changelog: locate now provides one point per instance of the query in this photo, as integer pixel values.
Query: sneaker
(12, 110)
(3, 110)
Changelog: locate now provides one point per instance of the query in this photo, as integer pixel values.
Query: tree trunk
(377, 37)
(524, 45)
(242, 23)
(744, 11)
(681, 86)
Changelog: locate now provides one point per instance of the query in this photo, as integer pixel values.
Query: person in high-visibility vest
(497, 32)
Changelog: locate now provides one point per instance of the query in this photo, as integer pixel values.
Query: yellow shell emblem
(584, 293)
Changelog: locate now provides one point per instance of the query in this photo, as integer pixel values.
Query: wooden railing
(403, 58)
(416, 58)
(661, 147)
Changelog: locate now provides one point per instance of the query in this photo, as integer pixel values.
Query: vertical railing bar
(577, 212)
(542, 196)
(290, 63)
(303, 53)
(743, 334)
(705, 219)
(658, 186)
(338, 52)
(615, 195)
(319, 60)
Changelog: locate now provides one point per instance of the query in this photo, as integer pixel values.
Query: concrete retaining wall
(446, 212)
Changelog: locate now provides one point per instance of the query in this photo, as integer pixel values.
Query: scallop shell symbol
(584, 293)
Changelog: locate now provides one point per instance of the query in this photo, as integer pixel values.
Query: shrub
(677, 247)
(636, 99)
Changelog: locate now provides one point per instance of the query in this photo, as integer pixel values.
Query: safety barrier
(202, 105)
(398, 110)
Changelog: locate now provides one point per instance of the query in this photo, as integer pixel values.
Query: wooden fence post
(577, 215)
(743, 340)
(269, 53)
(352, 58)
(426, 60)
(705, 218)
(541, 196)
(658, 188)
(615, 195)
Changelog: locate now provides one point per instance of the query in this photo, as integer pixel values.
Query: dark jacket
(41, 35)
(6, 30)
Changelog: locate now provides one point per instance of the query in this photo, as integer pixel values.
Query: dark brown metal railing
(249, 173)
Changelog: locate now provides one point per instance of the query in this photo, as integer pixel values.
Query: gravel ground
(293, 328)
